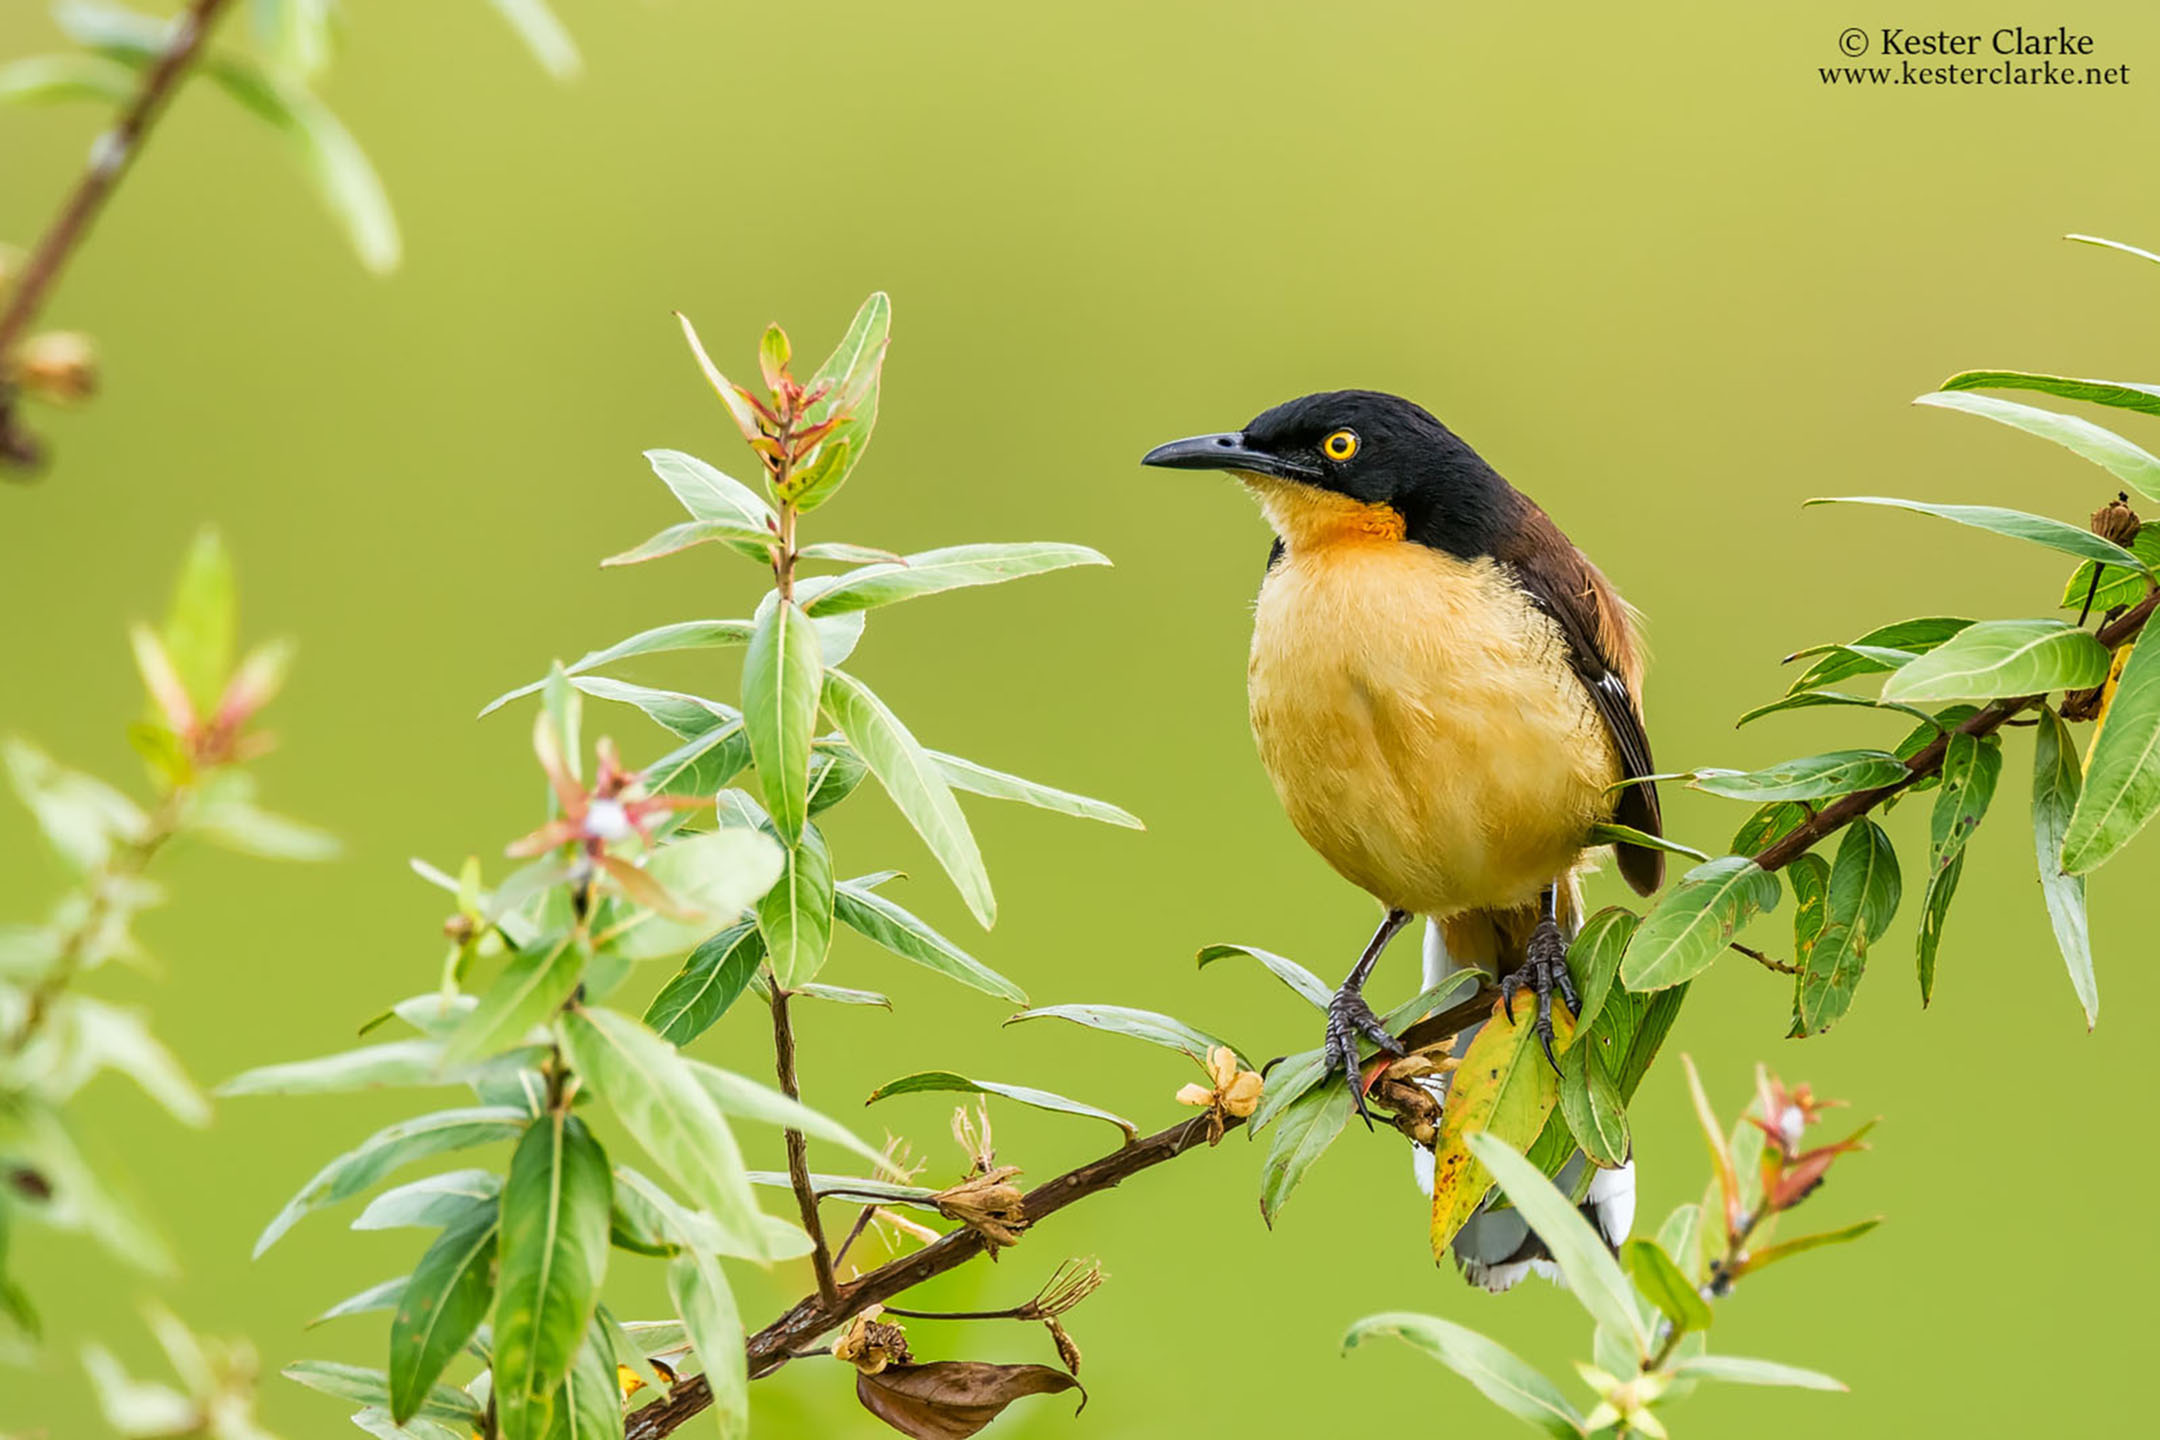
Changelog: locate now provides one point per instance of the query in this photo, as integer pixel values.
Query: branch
(816, 1315)
(109, 160)
(1848, 808)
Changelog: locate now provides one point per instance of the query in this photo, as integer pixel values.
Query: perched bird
(1445, 693)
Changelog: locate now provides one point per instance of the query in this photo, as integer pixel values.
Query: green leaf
(689, 533)
(1609, 833)
(1291, 1078)
(703, 766)
(780, 704)
(2114, 245)
(997, 785)
(2122, 773)
(2056, 792)
(879, 920)
(1840, 662)
(746, 1099)
(437, 1200)
(842, 552)
(543, 34)
(439, 1308)
(377, 1297)
(201, 630)
(45, 79)
(1662, 1283)
(1934, 913)
(333, 161)
(840, 995)
(2117, 585)
(1810, 699)
(1591, 1104)
(2118, 393)
(2125, 461)
(1738, 1371)
(835, 771)
(711, 980)
(853, 372)
(588, 1405)
(2017, 524)
(531, 988)
(1801, 1244)
(1681, 1238)
(700, 1294)
(1459, 985)
(660, 1102)
(554, 1246)
(682, 635)
(1813, 777)
(952, 568)
(398, 1062)
(709, 495)
(387, 1149)
(796, 915)
(946, 1081)
(1500, 1375)
(1309, 987)
(1593, 1275)
(1594, 961)
(1971, 765)
(363, 1386)
(1697, 919)
(1309, 1125)
(1863, 896)
(1139, 1024)
(717, 875)
(83, 818)
(2000, 658)
(915, 784)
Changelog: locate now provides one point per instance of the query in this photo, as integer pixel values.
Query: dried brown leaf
(952, 1399)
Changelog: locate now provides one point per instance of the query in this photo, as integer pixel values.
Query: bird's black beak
(1224, 452)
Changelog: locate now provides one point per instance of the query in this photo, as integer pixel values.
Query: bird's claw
(1544, 970)
(1348, 1019)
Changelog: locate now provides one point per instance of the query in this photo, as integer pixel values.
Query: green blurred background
(1664, 278)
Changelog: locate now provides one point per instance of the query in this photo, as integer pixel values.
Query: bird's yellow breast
(1417, 713)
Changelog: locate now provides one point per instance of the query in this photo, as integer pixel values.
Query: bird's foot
(1543, 970)
(1348, 1018)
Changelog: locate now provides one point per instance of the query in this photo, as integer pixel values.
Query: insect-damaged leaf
(2055, 790)
(952, 1399)
(1970, 769)
(1505, 1088)
(1863, 896)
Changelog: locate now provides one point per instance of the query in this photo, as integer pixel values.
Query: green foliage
(712, 857)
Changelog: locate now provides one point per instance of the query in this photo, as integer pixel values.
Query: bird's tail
(1496, 1248)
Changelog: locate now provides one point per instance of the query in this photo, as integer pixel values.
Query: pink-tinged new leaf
(162, 680)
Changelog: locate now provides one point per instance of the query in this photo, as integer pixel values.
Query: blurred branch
(1992, 717)
(110, 157)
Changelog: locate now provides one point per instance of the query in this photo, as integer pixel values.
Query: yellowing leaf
(1504, 1088)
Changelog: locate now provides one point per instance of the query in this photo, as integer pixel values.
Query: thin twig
(798, 1148)
(1764, 960)
(110, 157)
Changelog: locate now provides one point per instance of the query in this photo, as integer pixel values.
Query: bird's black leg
(1544, 969)
(1348, 1016)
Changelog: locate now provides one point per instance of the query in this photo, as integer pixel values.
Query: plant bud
(59, 365)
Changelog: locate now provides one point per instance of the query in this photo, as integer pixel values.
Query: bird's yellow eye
(1340, 446)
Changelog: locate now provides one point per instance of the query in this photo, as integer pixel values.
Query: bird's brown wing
(1603, 651)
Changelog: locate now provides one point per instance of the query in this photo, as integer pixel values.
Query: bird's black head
(1370, 448)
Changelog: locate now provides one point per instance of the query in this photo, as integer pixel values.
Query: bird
(1446, 695)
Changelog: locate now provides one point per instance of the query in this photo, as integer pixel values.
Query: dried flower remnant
(1230, 1091)
(870, 1344)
